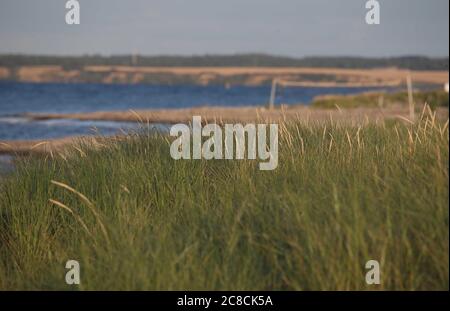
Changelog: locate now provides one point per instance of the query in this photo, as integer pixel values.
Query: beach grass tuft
(136, 219)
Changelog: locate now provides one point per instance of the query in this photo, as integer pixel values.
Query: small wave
(14, 120)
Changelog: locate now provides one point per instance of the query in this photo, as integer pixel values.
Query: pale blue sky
(185, 27)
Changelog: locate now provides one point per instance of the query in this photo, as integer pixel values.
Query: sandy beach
(218, 115)
(237, 115)
(221, 75)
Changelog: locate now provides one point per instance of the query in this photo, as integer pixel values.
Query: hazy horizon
(223, 55)
(295, 28)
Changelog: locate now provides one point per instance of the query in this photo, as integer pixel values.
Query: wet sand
(50, 147)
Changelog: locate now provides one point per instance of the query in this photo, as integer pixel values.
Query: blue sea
(17, 99)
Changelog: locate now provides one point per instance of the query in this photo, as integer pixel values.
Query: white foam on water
(14, 120)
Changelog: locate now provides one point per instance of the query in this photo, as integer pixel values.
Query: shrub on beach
(433, 98)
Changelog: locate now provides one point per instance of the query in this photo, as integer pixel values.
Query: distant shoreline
(409, 62)
(228, 76)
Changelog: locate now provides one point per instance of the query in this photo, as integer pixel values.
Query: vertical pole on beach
(134, 59)
(410, 97)
(273, 94)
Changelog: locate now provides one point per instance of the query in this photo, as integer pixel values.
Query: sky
(295, 28)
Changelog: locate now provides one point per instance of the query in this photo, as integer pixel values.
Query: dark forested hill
(252, 60)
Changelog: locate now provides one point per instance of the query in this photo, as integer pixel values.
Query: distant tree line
(251, 60)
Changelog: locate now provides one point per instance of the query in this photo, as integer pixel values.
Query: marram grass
(137, 220)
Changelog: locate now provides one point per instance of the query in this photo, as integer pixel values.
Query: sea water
(17, 99)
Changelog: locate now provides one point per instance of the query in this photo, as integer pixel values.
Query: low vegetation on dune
(136, 219)
(436, 98)
(239, 60)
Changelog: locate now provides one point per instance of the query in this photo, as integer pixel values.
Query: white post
(273, 94)
(410, 97)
